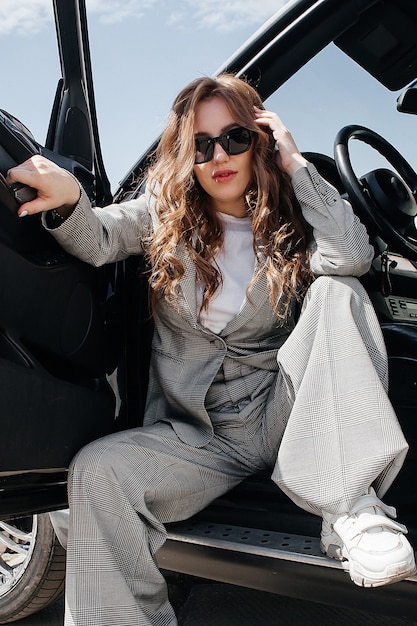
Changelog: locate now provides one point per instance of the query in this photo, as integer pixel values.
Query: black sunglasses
(235, 141)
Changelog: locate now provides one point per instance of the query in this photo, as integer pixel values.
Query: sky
(145, 51)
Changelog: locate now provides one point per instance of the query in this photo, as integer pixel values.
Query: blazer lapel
(187, 285)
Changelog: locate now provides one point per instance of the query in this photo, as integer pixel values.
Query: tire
(32, 567)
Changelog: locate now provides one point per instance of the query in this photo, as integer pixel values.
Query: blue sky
(145, 51)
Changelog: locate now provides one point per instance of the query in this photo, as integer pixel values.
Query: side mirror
(407, 101)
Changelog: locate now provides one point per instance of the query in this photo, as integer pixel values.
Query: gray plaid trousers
(327, 431)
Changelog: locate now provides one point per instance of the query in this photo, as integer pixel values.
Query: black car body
(72, 377)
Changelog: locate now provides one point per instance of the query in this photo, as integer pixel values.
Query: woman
(238, 227)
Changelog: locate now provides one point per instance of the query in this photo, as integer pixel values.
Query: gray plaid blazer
(195, 372)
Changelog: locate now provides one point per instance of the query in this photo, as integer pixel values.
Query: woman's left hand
(288, 156)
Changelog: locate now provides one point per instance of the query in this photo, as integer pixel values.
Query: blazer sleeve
(340, 243)
(104, 235)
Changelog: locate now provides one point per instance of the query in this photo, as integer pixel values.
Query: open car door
(57, 345)
(59, 339)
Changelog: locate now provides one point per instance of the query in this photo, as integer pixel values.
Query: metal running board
(263, 543)
(280, 563)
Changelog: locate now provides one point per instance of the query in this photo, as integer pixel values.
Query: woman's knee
(338, 283)
(88, 456)
(337, 289)
(100, 460)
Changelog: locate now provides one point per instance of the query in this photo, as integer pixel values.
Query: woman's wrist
(296, 163)
(62, 212)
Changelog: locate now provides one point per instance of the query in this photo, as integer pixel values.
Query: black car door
(57, 341)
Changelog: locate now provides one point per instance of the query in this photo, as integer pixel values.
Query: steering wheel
(385, 204)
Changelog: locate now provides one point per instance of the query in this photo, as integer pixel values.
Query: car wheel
(32, 567)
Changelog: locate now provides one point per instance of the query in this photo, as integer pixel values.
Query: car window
(332, 91)
(30, 79)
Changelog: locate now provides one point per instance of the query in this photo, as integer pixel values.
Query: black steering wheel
(385, 204)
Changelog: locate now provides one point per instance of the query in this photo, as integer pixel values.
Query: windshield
(332, 91)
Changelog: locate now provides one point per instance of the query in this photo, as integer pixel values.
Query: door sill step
(264, 543)
(268, 543)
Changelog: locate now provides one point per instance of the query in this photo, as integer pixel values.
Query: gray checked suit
(306, 401)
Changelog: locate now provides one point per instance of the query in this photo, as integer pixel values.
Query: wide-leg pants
(327, 432)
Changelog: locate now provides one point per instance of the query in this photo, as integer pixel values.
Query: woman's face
(225, 178)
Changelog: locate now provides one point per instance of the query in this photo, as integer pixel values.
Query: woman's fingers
(54, 186)
(288, 156)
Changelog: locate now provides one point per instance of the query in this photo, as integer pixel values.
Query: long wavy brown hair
(280, 234)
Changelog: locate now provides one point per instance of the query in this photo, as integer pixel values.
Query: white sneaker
(372, 543)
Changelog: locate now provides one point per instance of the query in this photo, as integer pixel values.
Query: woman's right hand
(55, 187)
